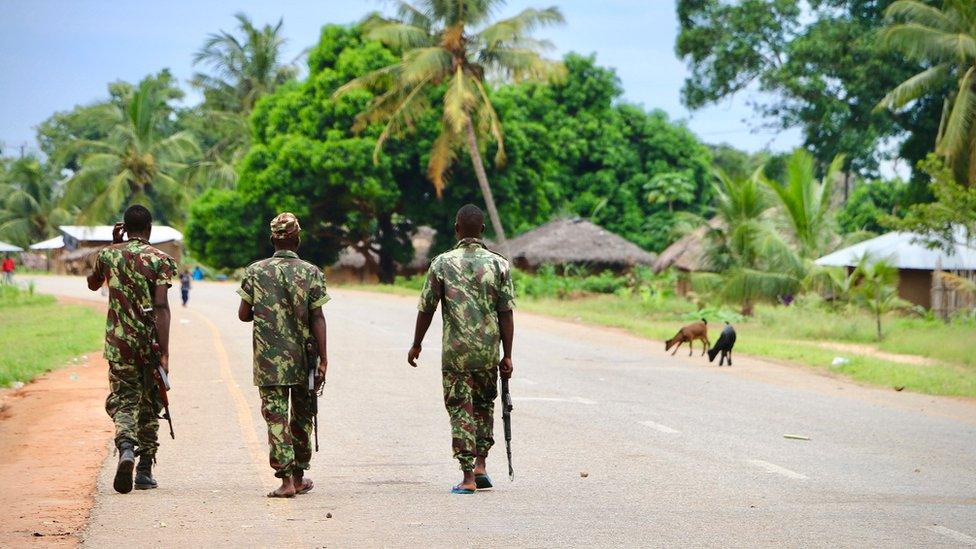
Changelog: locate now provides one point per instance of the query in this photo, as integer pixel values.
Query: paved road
(674, 453)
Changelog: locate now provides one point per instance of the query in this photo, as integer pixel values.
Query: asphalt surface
(616, 444)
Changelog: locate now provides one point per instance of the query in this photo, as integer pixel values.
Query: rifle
(162, 386)
(312, 357)
(507, 422)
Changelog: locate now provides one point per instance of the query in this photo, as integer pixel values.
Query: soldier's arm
(161, 306)
(96, 279)
(430, 296)
(419, 331)
(506, 326)
(319, 331)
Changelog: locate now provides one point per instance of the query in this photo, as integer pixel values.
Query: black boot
(123, 475)
(144, 478)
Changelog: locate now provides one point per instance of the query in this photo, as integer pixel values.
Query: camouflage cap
(284, 225)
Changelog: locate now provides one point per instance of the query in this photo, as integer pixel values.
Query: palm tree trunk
(479, 170)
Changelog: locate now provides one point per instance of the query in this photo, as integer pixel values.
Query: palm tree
(29, 209)
(876, 288)
(756, 263)
(138, 161)
(246, 66)
(945, 40)
(806, 201)
(450, 47)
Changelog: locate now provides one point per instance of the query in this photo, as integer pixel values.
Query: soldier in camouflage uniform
(283, 296)
(474, 286)
(138, 277)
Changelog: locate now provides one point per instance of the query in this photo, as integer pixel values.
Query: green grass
(790, 334)
(37, 334)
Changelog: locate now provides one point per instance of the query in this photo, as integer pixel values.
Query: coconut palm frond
(915, 87)
(925, 43)
(959, 123)
(442, 157)
(923, 14)
(401, 36)
(506, 31)
(425, 64)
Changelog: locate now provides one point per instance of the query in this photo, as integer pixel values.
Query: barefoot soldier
(138, 277)
(474, 286)
(283, 296)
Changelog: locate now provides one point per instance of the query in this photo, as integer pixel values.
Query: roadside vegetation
(937, 357)
(38, 334)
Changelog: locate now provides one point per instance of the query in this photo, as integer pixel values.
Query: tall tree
(945, 41)
(29, 207)
(823, 69)
(450, 47)
(141, 159)
(307, 160)
(245, 66)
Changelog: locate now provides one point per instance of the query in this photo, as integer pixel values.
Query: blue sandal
(483, 482)
(458, 490)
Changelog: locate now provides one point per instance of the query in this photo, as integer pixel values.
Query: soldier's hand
(413, 355)
(117, 231)
(164, 362)
(505, 368)
(320, 372)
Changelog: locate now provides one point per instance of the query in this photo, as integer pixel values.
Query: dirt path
(872, 351)
(54, 436)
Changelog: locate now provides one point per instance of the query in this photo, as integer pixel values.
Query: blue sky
(55, 54)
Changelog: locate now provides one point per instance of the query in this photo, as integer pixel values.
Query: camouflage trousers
(133, 406)
(289, 436)
(469, 396)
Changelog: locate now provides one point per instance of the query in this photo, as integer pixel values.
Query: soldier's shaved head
(470, 222)
(137, 219)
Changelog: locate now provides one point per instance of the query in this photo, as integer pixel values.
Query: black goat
(726, 340)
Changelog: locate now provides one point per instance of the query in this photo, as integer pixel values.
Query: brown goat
(689, 333)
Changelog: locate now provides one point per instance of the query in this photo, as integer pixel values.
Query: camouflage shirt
(133, 270)
(282, 291)
(474, 285)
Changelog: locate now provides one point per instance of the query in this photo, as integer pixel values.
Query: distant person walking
(197, 273)
(185, 286)
(8, 270)
(474, 287)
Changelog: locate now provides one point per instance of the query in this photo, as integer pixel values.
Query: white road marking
(773, 468)
(659, 427)
(524, 381)
(954, 534)
(577, 400)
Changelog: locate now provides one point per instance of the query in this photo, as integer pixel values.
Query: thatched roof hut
(688, 252)
(575, 242)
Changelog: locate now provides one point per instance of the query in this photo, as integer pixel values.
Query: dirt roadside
(54, 436)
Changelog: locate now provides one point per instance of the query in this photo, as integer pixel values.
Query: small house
(917, 265)
(687, 255)
(71, 251)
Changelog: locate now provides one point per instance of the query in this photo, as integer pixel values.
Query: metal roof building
(103, 233)
(9, 248)
(905, 251)
(916, 265)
